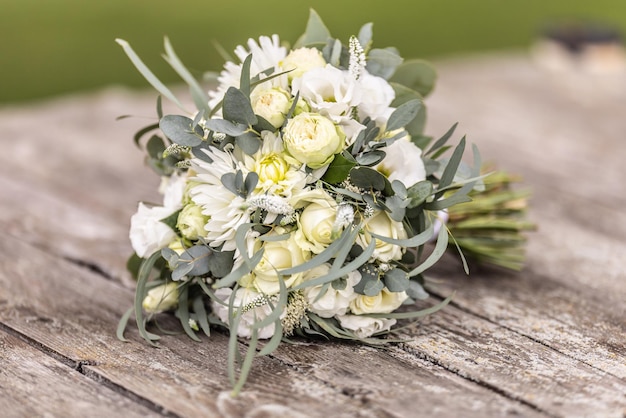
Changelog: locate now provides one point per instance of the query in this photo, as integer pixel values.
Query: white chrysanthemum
(266, 54)
(403, 162)
(226, 210)
(277, 174)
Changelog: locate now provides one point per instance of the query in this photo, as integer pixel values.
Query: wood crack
(492, 388)
(91, 266)
(82, 367)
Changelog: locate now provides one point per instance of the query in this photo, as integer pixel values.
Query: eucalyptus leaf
(221, 263)
(180, 129)
(155, 147)
(149, 75)
(396, 280)
(416, 74)
(244, 80)
(237, 108)
(373, 287)
(367, 178)
(443, 140)
(365, 35)
(383, 62)
(316, 32)
(370, 158)
(419, 192)
(416, 291)
(140, 133)
(225, 127)
(249, 142)
(200, 98)
(198, 256)
(403, 114)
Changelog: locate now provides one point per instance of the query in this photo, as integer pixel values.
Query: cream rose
(277, 255)
(364, 326)
(313, 139)
(161, 298)
(301, 60)
(316, 222)
(384, 302)
(381, 224)
(191, 222)
(244, 297)
(332, 302)
(271, 104)
(147, 233)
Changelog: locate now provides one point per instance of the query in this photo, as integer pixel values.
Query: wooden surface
(547, 342)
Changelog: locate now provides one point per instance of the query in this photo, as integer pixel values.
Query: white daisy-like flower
(266, 54)
(227, 211)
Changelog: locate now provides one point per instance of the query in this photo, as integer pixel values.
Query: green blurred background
(50, 47)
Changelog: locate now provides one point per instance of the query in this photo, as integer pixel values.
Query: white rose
(384, 302)
(147, 233)
(329, 91)
(271, 104)
(302, 60)
(242, 298)
(364, 326)
(403, 162)
(333, 302)
(161, 298)
(277, 255)
(377, 97)
(381, 224)
(191, 222)
(313, 139)
(315, 223)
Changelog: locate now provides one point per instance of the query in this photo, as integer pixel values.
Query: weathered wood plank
(35, 384)
(74, 313)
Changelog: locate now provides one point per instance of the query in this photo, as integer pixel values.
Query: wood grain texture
(34, 384)
(549, 341)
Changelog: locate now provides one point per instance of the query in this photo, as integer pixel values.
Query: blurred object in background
(581, 46)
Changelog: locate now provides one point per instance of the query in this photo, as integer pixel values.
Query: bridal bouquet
(300, 198)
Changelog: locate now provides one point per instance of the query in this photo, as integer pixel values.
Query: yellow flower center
(272, 168)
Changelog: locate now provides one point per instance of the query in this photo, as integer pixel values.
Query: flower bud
(161, 298)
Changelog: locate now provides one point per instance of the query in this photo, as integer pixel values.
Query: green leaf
(148, 75)
(200, 98)
(404, 94)
(416, 291)
(453, 165)
(140, 294)
(368, 178)
(438, 251)
(221, 263)
(225, 127)
(396, 280)
(201, 313)
(182, 312)
(155, 147)
(383, 62)
(237, 107)
(249, 142)
(365, 35)
(180, 129)
(418, 193)
(370, 158)
(442, 141)
(198, 257)
(121, 326)
(172, 220)
(133, 264)
(339, 168)
(373, 287)
(244, 81)
(403, 114)
(414, 241)
(413, 314)
(416, 74)
(316, 32)
(140, 133)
